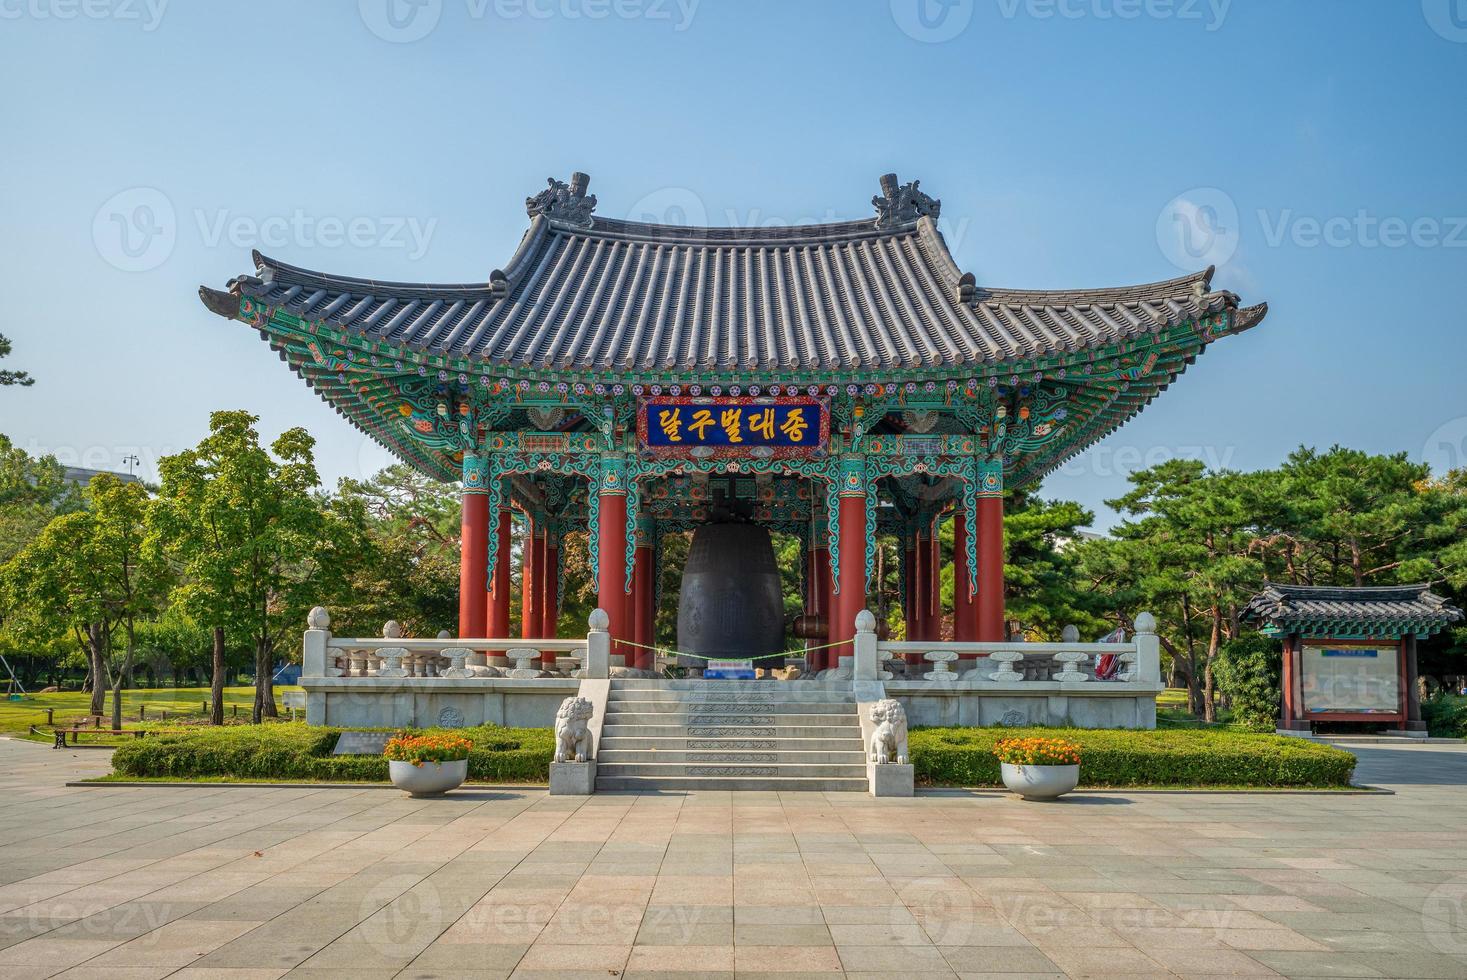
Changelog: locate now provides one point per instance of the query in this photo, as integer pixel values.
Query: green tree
(86, 572)
(254, 543)
(10, 378)
(32, 491)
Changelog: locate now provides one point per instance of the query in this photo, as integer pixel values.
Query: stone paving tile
(140, 882)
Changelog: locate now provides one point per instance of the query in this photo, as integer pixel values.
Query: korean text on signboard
(789, 424)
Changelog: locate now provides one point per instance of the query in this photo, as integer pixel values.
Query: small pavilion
(1350, 653)
(839, 381)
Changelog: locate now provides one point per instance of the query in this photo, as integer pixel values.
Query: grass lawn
(16, 717)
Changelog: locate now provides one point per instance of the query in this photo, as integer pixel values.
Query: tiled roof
(1292, 608)
(625, 296)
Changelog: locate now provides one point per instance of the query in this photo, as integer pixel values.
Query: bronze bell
(731, 604)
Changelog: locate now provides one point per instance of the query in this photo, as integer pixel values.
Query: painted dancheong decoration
(841, 383)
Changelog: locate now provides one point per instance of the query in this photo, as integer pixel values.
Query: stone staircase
(727, 735)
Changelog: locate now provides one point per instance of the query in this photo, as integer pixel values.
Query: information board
(1359, 680)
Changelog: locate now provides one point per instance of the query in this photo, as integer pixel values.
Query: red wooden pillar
(909, 602)
(550, 604)
(611, 551)
(497, 599)
(990, 570)
(934, 582)
(921, 621)
(642, 606)
(825, 599)
(473, 549)
(531, 581)
(851, 598)
(965, 606)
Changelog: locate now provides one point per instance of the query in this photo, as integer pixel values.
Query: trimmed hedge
(294, 750)
(1445, 715)
(1111, 757)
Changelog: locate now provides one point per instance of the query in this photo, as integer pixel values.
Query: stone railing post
(392, 657)
(865, 665)
(1010, 664)
(1147, 666)
(1070, 671)
(598, 646)
(314, 649)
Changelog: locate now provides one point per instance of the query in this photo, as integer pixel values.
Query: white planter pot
(429, 779)
(1040, 782)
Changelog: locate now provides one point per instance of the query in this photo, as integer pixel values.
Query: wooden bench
(76, 730)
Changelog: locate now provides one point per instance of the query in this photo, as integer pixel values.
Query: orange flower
(1037, 752)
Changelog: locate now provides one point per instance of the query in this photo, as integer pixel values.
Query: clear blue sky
(1066, 139)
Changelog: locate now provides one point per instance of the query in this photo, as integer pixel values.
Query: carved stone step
(678, 784)
(775, 754)
(673, 770)
(612, 740)
(615, 707)
(797, 696)
(716, 728)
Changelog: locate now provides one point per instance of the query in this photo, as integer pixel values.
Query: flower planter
(429, 778)
(1040, 782)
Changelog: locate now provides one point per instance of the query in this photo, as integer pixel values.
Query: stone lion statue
(889, 741)
(573, 731)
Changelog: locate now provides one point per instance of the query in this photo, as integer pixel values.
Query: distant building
(81, 476)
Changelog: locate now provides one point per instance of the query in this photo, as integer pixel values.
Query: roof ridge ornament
(901, 204)
(564, 202)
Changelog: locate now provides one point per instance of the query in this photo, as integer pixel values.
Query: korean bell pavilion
(839, 382)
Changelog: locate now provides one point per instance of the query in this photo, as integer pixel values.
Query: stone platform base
(1052, 703)
(891, 779)
(572, 778)
(435, 702)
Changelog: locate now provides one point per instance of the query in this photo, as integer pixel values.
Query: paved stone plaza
(261, 883)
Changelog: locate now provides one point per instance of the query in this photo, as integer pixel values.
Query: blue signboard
(732, 424)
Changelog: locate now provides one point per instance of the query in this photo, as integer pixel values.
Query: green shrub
(1445, 715)
(291, 751)
(1112, 757)
(1248, 672)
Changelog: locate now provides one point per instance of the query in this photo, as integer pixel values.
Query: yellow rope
(697, 656)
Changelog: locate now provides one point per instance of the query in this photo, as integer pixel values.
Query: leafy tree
(86, 572)
(253, 541)
(1248, 672)
(412, 525)
(32, 491)
(11, 378)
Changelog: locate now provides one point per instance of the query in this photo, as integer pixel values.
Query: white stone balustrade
(1068, 662)
(940, 672)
